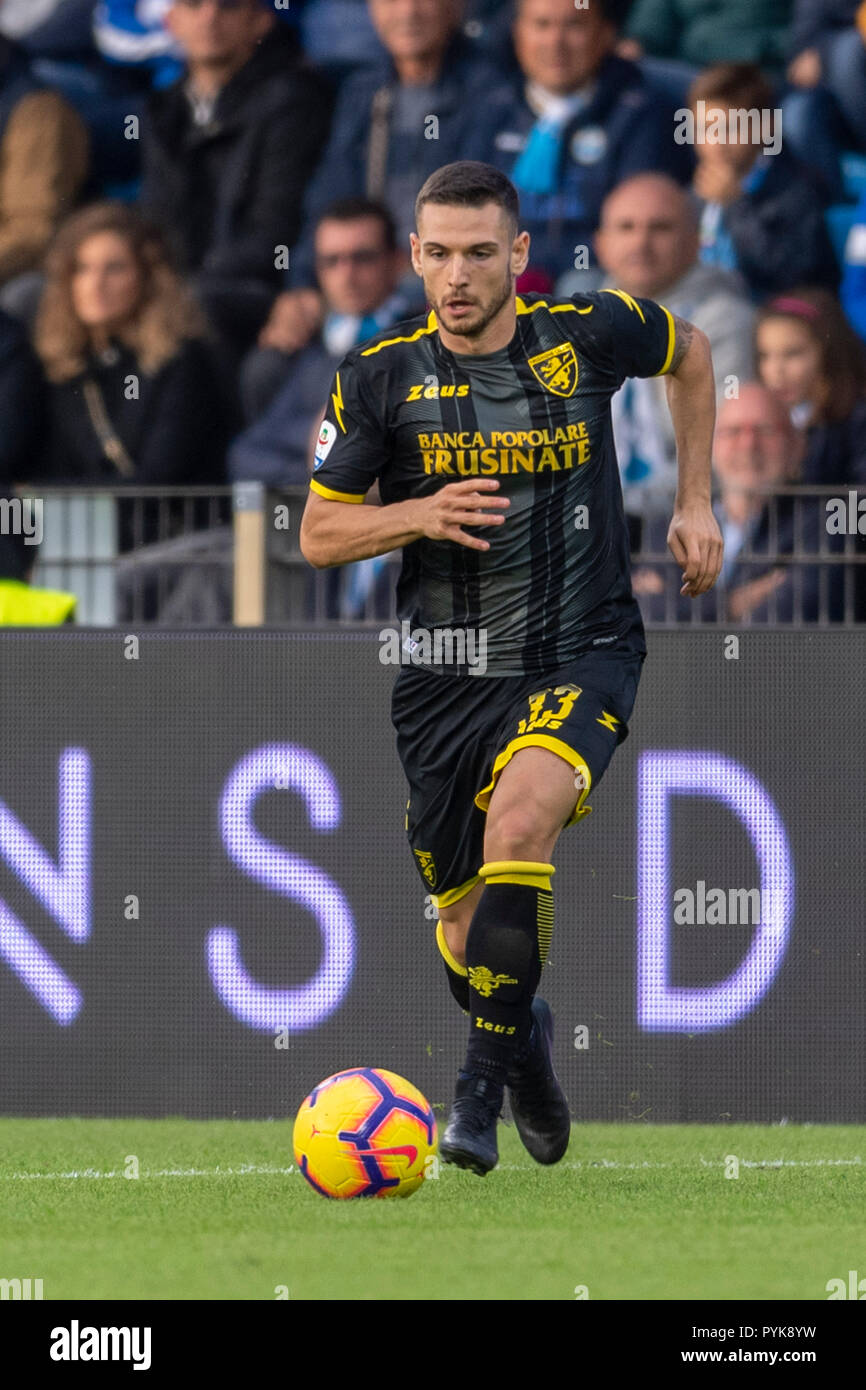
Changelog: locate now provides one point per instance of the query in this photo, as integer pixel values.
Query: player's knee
(514, 834)
(455, 928)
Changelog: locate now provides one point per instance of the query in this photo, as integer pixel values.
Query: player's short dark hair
(353, 209)
(470, 184)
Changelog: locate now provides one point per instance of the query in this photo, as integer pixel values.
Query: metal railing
(193, 557)
(820, 571)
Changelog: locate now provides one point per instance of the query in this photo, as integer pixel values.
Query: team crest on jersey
(556, 369)
(428, 868)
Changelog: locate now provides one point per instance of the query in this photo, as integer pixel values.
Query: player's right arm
(352, 448)
(335, 533)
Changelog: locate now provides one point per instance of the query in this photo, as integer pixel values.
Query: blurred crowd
(204, 204)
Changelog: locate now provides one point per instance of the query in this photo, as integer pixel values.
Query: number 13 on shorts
(541, 718)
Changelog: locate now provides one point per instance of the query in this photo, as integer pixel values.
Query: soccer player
(487, 426)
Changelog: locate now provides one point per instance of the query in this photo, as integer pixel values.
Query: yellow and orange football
(365, 1133)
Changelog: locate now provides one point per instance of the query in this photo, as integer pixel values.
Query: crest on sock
(485, 982)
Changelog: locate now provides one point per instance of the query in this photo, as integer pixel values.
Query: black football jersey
(406, 410)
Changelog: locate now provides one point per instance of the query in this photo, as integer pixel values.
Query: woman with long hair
(809, 355)
(132, 393)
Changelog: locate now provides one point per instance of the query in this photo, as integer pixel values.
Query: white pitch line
(788, 1162)
(268, 1170)
(217, 1172)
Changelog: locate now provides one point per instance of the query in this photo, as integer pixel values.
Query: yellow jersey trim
(672, 339)
(454, 895)
(629, 302)
(334, 496)
(430, 327)
(555, 745)
(523, 308)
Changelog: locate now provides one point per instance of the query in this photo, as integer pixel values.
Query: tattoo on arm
(685, 332)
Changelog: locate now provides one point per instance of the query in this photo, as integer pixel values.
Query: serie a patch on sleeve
(324, 443)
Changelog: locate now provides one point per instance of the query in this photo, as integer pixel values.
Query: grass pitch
(632, 1212)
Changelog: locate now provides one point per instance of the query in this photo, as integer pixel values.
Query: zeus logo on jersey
(324, 443)
(434, 391)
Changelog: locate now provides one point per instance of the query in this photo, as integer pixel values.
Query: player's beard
(475, 328)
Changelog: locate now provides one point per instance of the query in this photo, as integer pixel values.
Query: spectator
(358, 268)
(648, 244)
(763, 211)
(809, 355)
(133, 34)
(756, 448)
(578, 122)
(395, 123)
(828, 49)
(43, 165)
(60, 42)
(227, 153)
(20, 402)
(700, 32)
(131, 391)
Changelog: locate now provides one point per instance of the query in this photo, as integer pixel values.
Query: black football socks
(506, 948)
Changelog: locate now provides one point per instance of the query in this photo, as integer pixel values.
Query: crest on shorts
(426, 865)
(556, 369)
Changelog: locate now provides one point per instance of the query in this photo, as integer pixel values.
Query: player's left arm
(694, 538)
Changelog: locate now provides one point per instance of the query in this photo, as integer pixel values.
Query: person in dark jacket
(763, 211)
(131, 399)
(395, 123)
(227, 153)
(828, 48)
(20, 402)
(578, 122)
(810, 357)
(358, 270)
(756, 448)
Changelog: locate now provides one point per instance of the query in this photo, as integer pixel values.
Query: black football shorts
(456, 732)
